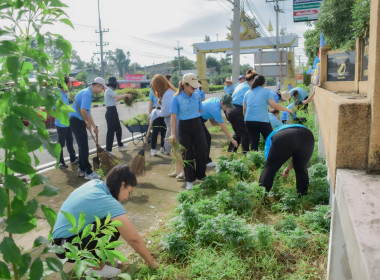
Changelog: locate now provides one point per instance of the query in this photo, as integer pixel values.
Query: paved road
(98, 114)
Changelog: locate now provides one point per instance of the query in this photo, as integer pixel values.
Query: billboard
(306, 10)
(271, 70)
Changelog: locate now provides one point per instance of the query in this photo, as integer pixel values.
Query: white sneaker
(106, 272)
(92, 176)
(122, 148)
(111, 153)
(189, 185)
(81, 173)
(153, 152)
(211, 164)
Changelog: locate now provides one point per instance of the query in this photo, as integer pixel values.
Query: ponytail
(258, 81)
(180, 88)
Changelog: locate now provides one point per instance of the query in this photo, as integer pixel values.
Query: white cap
(101, 81)
(285, 95)
(191, 79)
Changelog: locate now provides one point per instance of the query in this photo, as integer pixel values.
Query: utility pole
(101, 43)
(217, 37)
(178, 48)
(236, 41)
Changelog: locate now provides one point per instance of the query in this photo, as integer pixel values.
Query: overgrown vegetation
(228, 227)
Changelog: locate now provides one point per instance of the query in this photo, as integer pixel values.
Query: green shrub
(256, 158)
(177, 246)
(216, 88)
(236, 167)
(296, 238)
(247, 197)
(287, 224)
(263, 235)
(319, 219)
(213, 183)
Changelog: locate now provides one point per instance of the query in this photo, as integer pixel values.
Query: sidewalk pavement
(153, 199)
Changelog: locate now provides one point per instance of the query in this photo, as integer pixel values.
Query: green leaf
(38, 179)
(7, 48)
(116, 223)
(49, 191)
(12, 130)
(20, 167)
(4, 200)
(4, 271)
(80, 267)
(32, 142)
(125, 276)
(86, 231)
(40, 41)
(119, 255)
(113, 244)
(65, 46)
(12, 64)
(70, 218)
(26, 68)
(54, 264)
(67, 21)
(81, 220)
(108, 218)
(20, 223)
(41, 241)
(36, 270)
(17, 186)
(11, 253)
(23, 267)
(50, 215)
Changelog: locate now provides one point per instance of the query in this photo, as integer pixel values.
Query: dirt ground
(153, 199)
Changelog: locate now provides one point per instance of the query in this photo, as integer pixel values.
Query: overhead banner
(306, 10)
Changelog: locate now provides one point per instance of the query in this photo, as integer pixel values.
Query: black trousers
(296, 142)
(85, 242)
(236, 118)
(79, 130)
(193, 139)
(208, 140)
(159, 127)
(65, 136)
(255, 129)
(113, 125)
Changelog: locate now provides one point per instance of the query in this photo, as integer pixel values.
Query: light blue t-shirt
(153, 98)
(274, 122)
(211, 109)
(186, 107)
(229, 89)
(65, 99)
(93, 199)
(109, 99)
(84, 100)
(201, 92)
(268, 142)
(302, 94)
(257, 101)
(275, 95)
(239, 91)
(286, 116)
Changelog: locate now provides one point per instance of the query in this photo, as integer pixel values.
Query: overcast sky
(150, 29)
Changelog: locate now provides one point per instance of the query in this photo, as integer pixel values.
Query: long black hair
(117, 175)
(258, 81)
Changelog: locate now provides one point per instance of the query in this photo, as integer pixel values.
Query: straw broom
(137, 164)
(107, 160)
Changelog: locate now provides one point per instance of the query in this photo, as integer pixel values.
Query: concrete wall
(344, 121)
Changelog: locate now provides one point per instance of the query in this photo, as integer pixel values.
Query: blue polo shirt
(153, 98)
(93, 199)
(302, 94)
(201, 92)
(274, 122)
(211, 109)
(186, 107)
(84, 100)
(229, 89)
(257, 101)
(65, 99)
(268, 142)
(275, 95)
(239, 91)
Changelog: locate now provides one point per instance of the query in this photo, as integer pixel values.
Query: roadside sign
(270, 57)
(306, 10)
(271, 70)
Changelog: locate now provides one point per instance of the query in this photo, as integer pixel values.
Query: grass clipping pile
(134, 93)
(228, 227)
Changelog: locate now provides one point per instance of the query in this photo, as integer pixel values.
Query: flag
(321, 44)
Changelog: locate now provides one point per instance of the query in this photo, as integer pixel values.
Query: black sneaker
(74, 161)
(63, 165)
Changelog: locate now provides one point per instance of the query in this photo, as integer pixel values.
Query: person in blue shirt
(112, 117)
(200, 91)
(187, 107)
(159, 126)
(235, 115)
(212, 110)
(299, 93)
(81, 120)
(98, 199)
(288, 141)
(255, 110)
(228, 86)
(286, 118)
(64, 132)
(289, 87)
(164, 91)
(274, 118)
